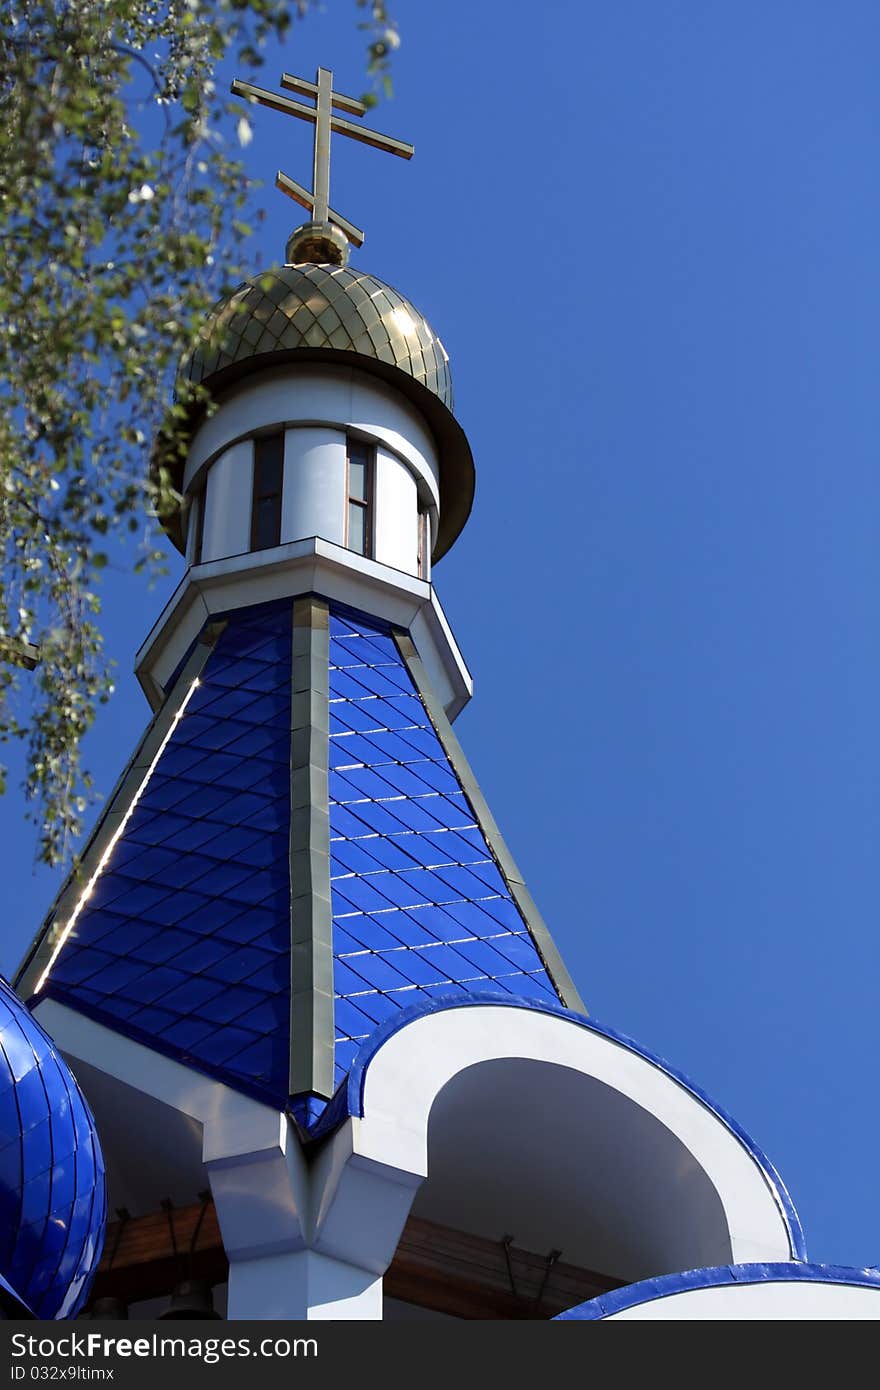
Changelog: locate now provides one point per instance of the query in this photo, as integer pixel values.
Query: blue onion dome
(53, 1201)
(309, 313)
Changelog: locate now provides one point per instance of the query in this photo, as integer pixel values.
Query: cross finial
(319, 239)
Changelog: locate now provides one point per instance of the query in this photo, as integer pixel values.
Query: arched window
(268, 478)
(198, 526)
(359, 489)
(424, 552)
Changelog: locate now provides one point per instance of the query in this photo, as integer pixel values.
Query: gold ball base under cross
(317, 243)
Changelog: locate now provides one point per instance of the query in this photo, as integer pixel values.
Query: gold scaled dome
(332, 313)
(321, 307)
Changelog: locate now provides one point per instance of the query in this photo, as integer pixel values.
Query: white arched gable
(518, 1116)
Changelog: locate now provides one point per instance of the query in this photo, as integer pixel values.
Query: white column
(328, 1265)
(313, 501)
(304, 1242)
(396, 514)
(303, 1285)
(228, 503)
(196, 503)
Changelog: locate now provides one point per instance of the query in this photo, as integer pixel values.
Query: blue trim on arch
(349, 1099)
(648, 1290)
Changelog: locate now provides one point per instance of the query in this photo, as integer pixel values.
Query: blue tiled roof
(419, 906)
(184, 942)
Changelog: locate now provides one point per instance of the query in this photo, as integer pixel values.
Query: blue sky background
(648, 235)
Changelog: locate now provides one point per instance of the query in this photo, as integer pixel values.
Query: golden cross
(317, 202)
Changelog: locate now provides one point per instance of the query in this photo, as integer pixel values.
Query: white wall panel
(314, 484)
(396, 514)
(228, 503)
(341, 398)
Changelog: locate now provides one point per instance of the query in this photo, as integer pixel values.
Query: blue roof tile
(184, 942)
(196, 878)
(404, 836)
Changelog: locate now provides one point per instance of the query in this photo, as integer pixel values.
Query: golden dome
(331, 313)
(321, 308)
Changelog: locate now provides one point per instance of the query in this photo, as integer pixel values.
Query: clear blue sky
(648, 235)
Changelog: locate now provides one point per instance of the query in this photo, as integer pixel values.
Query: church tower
(338, 1067)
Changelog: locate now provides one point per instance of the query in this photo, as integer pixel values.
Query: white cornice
(302, 567)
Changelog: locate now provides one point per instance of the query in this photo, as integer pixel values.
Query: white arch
(588, 1120)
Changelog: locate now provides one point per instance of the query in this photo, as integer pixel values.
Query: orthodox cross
(322, 116)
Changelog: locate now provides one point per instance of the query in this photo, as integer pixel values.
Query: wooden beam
(139, 1260)
(471, 1277)
(434, 1267)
